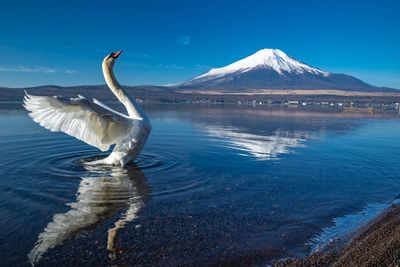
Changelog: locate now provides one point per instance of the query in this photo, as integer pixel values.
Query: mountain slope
(273, 69)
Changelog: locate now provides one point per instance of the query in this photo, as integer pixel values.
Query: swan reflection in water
(103, 192)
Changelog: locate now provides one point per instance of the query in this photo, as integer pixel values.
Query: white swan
(95, 123)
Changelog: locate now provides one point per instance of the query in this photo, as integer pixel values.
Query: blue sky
(64, 42)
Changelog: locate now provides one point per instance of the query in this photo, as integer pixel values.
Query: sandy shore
(376, 244)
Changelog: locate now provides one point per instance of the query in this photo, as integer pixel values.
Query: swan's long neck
(133, 108)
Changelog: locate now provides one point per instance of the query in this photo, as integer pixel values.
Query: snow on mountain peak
(274, 59)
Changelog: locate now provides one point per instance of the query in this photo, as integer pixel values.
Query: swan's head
(110, 58)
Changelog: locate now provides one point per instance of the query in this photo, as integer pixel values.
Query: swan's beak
(116, 55)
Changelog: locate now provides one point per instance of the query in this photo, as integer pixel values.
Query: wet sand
(375, 244)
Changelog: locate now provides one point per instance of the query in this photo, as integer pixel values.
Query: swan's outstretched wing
(89, 121)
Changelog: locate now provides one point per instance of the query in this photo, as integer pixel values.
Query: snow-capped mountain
(272, 59)
(272, 69)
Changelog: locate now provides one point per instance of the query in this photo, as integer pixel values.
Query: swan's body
(95, 123)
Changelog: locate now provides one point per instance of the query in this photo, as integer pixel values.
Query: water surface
(215, 185)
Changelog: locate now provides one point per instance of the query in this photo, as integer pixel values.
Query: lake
(215, 185)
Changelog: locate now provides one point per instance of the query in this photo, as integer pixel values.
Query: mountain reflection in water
(262, 147)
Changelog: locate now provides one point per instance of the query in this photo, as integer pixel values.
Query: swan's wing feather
(91, 122)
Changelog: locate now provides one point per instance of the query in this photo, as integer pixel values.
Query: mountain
(273, 69)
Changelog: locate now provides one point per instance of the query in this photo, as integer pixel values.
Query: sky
(64, 42)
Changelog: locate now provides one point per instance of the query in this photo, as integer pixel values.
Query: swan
(93, 122)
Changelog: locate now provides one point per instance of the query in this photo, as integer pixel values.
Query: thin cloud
(28, 69)
(171, 66)
(180, 67)
(71, 72)
(202, 67)
(183, 40)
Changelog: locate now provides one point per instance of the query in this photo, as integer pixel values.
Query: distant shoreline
(166, 94)
(317, 92)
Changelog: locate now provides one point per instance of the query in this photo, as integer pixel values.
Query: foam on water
(347, 225)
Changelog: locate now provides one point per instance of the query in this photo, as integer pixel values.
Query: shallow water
(215, 185)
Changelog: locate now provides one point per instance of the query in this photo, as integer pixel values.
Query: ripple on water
(103, 193)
